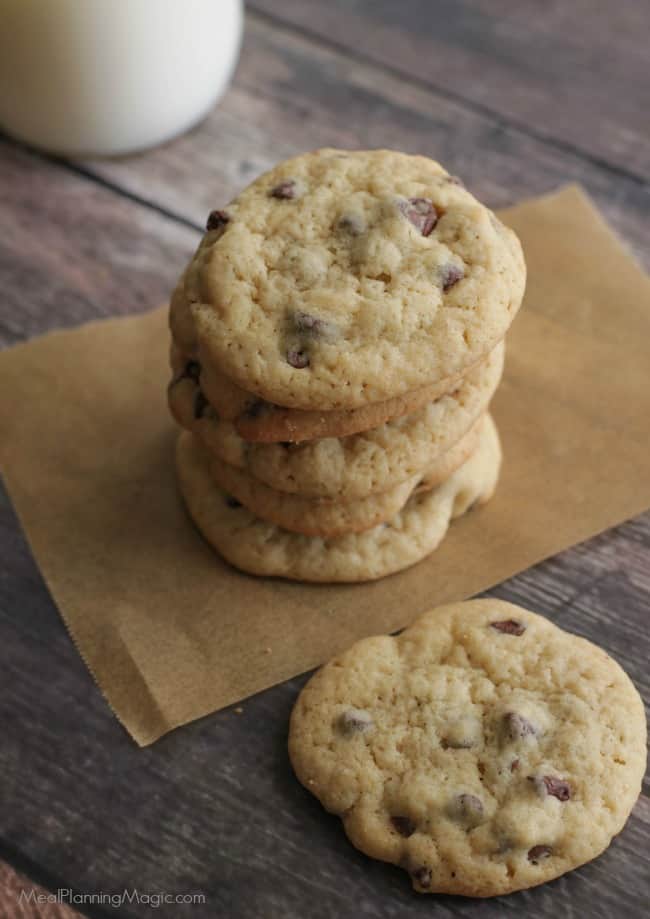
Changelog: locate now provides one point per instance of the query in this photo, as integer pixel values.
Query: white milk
(112, 76)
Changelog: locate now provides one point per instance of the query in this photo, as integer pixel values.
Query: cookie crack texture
(486, 771)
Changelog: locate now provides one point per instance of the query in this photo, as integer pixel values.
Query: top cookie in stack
(340, 293)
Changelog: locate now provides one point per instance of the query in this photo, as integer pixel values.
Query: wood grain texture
(71, 250)
(213, 808)
(291, 94)
(577, 74)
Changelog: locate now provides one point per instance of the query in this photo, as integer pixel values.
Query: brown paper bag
(168, 630)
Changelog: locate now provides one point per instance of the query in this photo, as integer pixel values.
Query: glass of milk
(112, 76)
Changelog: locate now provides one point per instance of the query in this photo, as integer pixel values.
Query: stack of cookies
(336, 340)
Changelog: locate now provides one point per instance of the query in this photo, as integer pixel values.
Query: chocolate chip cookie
(484, 750)
(327, 517)
(264, 548)
(372, 274)
(259, 421)
(350, 467)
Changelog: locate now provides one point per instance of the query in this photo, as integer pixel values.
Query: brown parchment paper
(169, 631)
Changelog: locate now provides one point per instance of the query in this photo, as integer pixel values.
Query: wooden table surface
(517, 99)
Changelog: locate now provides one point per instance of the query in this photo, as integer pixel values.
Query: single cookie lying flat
(263, 548)
(351, 467)
(484, 749)
(341, 278)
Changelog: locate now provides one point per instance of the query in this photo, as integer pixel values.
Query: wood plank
(576, 73)
(71, 250)
(291, 94)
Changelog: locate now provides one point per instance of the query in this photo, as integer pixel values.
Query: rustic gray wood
(213, 808)
(293, 94)
(575, 74)
(71, 250)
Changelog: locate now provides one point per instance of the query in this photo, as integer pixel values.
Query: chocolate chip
(192, 370)
(232, 502)
(556, 788)
(509, 626)
(504, 844)
(216, 220)
(471, 804)
(355, 721)
(314, 326)
(537, 853)
(298, 358)
(422, 876)
(450, 275)
(352, 224)
(200, 404)
(514, 765)
(421, 212)
(517, 726)
(467, 808)
(286, 190)
(256, 408)
(404, 826)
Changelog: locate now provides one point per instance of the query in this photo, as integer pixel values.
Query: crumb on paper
(267, 650)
